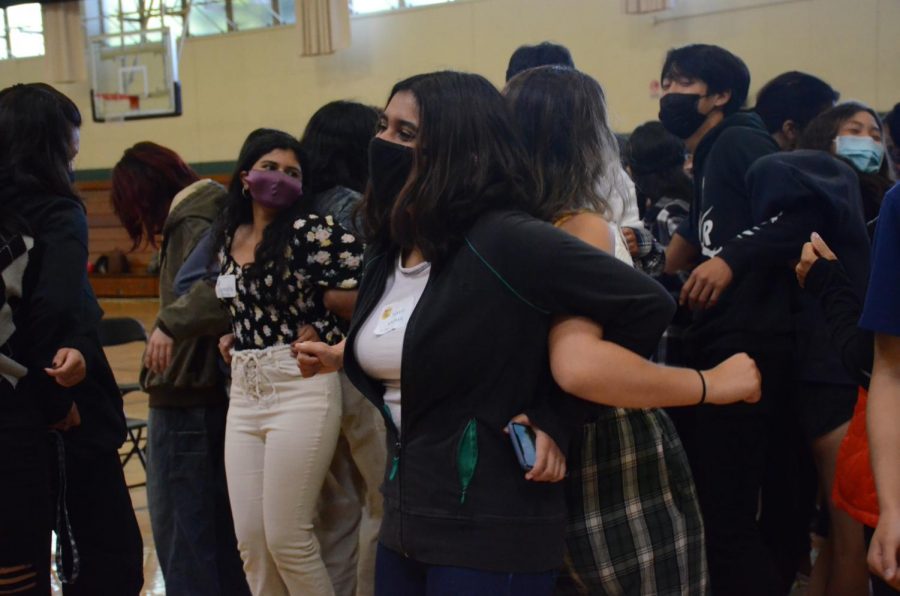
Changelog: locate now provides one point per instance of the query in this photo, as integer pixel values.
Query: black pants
(24, 502)
(728, 453)
(789, 493)
(104, 528)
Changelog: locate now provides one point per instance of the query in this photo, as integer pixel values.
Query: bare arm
(680, 255)
(882, 416)
(340, 302)
(586, 366)
(600, 371)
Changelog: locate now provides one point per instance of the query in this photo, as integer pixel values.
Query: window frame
(8, 34)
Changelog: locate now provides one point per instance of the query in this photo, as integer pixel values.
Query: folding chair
(118, 331)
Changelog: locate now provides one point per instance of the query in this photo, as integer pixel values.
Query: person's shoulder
(739, 136)
(57, 209)
(499, 217)
(891, 202)
(583, 221)
(591, 228)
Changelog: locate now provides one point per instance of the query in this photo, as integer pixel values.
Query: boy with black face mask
(704, 87)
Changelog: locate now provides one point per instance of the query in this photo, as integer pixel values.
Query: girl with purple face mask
(282, 265)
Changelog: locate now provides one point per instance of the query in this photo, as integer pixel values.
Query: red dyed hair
(144, 182)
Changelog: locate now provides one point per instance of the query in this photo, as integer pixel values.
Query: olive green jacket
(195, 320)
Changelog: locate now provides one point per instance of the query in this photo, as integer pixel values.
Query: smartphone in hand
(522, 438)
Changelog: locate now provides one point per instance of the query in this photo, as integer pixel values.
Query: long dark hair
(144, 182)
(655, 158)
(37, 124)
(239, 207)
(561, 115)
(336, 143)
(468, 160)
(820, 135)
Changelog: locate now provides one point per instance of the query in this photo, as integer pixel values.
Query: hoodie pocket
(467, 457)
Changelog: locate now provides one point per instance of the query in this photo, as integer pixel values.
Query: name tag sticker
(393, 317)
(226, 286)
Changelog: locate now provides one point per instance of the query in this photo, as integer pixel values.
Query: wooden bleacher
(105, 235)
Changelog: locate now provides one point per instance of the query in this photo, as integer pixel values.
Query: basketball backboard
(134, 76)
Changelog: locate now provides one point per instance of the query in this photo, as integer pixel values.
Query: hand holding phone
(523, 442)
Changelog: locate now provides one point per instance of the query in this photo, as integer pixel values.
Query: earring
(244, 192)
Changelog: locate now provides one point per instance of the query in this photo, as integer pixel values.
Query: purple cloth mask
(274, 189)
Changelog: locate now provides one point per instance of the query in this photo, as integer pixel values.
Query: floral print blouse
(268, 309)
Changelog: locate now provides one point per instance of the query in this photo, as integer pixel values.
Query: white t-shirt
(379, 343)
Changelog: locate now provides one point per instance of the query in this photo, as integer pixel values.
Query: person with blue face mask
(865, 153)
(854, 132)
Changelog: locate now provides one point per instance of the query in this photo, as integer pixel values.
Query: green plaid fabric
(634, 522)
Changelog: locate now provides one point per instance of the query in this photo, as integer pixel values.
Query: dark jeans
(24, 501)
(789, 493)
(101, 516)
(728, 455)
(188, 500)
(396, 575)
(879, 586)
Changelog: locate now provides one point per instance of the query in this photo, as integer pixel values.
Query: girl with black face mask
(450, 341)
(282, 265)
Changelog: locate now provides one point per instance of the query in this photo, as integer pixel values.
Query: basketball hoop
(134, 101)
(131, 81)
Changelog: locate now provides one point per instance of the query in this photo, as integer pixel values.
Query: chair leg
(135, 441)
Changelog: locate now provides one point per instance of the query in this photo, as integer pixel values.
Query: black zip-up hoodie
(475, 355)
(59, 309)
(721, 210)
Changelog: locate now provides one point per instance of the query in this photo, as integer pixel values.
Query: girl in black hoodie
(96, 527)
(459, 291)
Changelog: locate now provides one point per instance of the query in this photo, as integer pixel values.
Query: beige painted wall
(234, 83)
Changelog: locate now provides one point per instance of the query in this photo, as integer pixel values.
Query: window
(125, 19)
(22, 33)
(368, 6)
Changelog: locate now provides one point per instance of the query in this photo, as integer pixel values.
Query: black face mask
(389, 168)
(678, 113)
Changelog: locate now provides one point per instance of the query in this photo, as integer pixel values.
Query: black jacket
(795, 194)
(59, 310)
(474, 355)
(721, 210)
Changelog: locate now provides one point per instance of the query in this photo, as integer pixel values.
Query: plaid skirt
(634, 526)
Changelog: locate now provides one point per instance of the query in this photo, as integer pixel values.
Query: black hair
(542, 54)
(561, 116)
(468, 160)
(656, 160)
(239, 207)
(793, 96)
(37, 124)
(820, 134)
(336, 143)
(717, 67)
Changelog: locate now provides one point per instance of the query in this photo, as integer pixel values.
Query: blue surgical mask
(865, 153)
